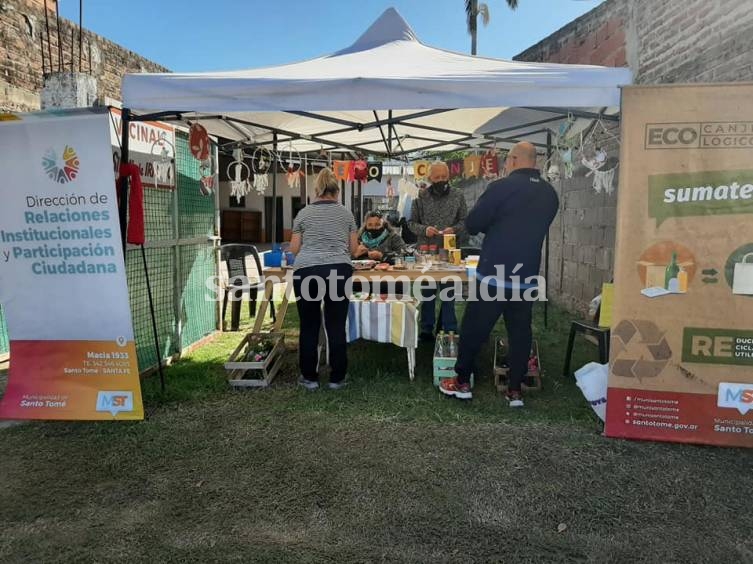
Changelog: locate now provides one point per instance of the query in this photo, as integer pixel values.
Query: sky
(205, 35)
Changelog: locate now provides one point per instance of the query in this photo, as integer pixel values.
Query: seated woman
(377, 240)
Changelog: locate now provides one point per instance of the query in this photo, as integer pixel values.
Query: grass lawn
(385, 470)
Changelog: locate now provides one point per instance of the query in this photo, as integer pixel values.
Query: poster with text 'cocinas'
(62, 274)
(681, 366)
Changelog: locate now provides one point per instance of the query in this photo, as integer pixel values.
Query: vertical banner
(681, 366)
(62, 274)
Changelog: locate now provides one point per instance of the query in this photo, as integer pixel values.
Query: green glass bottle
(673, 269)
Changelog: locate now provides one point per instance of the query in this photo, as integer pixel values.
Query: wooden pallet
(532, 381)
(244, 373)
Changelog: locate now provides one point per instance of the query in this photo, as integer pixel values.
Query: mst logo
(735, 396)
(61, 167)
(114, 402)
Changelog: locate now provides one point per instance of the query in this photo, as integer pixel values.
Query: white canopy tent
(387, 93)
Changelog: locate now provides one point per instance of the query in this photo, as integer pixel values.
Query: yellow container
(449, 241)
(455, 257)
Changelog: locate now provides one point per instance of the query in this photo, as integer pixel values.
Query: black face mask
(375, 232)
(440, 188)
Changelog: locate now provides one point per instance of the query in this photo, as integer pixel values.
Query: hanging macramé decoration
(594, 157)
(198, 141)
(164, 164)
(603, 179)
(295, 169)
(261, 161)
(239, 186)
(206, 171)
(564, 146)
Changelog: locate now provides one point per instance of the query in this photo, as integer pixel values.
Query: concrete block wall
(667, 41)
(22, 29)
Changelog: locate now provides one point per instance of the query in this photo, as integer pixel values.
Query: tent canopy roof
(342, 100)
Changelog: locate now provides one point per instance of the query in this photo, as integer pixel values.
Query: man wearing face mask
(440, 210)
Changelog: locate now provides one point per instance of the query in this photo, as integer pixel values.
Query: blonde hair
(326, 184)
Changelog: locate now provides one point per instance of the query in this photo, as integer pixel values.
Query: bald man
(438, 210)
(514, 214)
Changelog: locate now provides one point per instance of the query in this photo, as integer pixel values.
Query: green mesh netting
(196, 211)
(197, 314)
(161, 264)
(3, 333)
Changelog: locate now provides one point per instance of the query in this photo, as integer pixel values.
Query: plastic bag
(592, 381)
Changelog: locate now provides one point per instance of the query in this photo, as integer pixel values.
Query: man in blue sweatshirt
(514, 214)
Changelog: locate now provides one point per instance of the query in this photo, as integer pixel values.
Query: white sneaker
(310, 385)
(514, 399)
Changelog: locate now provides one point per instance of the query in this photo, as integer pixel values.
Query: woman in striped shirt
(324, 238)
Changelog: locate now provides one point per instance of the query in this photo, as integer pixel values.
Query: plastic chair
(243, 272)
(593, 333)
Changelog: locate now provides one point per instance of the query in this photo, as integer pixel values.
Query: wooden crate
(532, 381)
(444, 367)
(244, 372)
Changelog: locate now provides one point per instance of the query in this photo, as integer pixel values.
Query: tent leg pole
(125, 120)
(546, 246)
(274, 188)
(154, 321)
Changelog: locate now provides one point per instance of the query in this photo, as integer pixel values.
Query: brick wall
(596, 38)
(22, 29)
(692, 40)
(663, 41)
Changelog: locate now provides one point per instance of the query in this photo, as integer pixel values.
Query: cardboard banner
(62, 274)
(341, 169)
(681, 366)
(375, 172)
(490, 164)
(456, 168)
(421, 170)
(472, 167)
(360, 170)
(151, 146)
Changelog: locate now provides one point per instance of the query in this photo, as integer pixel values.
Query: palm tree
(474, 9)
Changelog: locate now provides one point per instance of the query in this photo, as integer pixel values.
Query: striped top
(325, 227)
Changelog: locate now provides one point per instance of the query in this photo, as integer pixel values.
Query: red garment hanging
(136, 234)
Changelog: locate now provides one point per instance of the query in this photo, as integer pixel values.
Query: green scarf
(372, 243)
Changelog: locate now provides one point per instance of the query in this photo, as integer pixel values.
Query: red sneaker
(451, 387)
(514, 398)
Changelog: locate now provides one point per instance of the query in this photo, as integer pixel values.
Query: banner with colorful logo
(681, 366)
(62, 273)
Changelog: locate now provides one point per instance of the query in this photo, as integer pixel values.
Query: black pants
(315, 283)
(478, 322)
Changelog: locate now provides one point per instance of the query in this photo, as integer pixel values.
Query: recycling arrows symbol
(655, 356)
